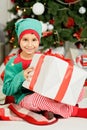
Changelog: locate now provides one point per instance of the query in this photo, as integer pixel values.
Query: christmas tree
(62, 20)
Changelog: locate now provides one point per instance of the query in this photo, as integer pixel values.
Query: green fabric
(13, 79)
(28, 23)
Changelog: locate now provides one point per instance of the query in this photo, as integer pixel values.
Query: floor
(71, 123)
(63, 124)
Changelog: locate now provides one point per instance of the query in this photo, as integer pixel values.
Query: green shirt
(13, 80)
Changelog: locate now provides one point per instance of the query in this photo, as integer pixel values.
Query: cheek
(22, 45)
(36, 45)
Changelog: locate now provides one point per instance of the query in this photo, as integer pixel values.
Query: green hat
(28, 24)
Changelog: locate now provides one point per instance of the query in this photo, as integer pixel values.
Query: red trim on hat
(29, 31)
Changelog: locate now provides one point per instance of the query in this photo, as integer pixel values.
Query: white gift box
(59, 50)
(56, 78)
(73, 53)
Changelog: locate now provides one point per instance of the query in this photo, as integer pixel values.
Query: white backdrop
(4, 14)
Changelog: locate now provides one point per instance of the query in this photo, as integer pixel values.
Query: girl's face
(29, 44)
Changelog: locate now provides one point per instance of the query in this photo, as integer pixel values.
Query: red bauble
(70, 22)
(13, 1)
(69, 1)
(52, 21)
(9, 32)
(25, 16)
(61, 43)
(47, 33)
(78, 33)
(27, 0)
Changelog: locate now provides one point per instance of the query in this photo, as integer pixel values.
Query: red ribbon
(36, 72)
(65, 82)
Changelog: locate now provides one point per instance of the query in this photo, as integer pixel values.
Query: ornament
(61, 43)
(12, 39)
(19, 12)
(24, 10)
(82, 10)
(52, 21)
(9, 32)
(32, 16)
(17, 8)
(78, 34)
(70, 22)
(69, 1)
(50, 27)
(13, 1)
(47, 33)
(44, 26)
(38, 8)
(27, 0)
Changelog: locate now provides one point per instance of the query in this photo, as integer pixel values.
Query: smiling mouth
(29, 49)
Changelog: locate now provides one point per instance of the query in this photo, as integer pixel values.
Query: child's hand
(28, 73)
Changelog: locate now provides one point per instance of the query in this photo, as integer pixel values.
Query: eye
(25, 39)
(34, 39)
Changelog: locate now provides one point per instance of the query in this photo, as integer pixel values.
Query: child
(17, 70)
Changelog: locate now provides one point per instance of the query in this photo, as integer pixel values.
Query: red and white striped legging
(37, 102)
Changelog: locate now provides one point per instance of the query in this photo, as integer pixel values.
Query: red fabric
(25, 63)
(85, 84)
(79, 112)
(29, 117)
(37, 102)
(9, 99)
(2, 75)
(82, 112)
(14, 112)
(29, 31)
(36, 73)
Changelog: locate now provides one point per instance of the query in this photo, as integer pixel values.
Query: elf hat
(28, 25)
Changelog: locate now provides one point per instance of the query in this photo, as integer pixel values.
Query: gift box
(57, 78)
(73, 53)
(59, 50)
(84, 60)
(81, 61)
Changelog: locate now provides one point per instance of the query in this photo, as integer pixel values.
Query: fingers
(30, 69)
(28, 73)
(29, 77)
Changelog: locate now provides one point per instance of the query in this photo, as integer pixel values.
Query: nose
(29, 43)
